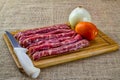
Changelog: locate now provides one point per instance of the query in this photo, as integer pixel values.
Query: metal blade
(12, 39)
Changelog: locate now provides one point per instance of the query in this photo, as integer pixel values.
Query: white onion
(79, 14)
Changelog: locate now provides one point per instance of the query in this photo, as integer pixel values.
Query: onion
(79, 14)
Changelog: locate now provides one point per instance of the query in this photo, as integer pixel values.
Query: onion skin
(79, 14)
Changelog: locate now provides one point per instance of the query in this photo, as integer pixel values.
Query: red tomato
(87, 30)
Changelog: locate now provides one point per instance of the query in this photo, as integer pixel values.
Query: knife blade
(23, 58)
(12, 40)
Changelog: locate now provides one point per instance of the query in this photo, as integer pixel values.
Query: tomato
(87, 30)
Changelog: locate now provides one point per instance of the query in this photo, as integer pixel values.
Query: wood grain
(102, 44)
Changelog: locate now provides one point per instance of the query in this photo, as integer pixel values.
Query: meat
(48, 41)
(26, 42)
(52, 32)
(51, 40)
(60, 50)
(48, 45)
(59, 31)
(22, 38)
(41, 30)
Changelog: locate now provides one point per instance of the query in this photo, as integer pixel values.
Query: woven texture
(24, 14)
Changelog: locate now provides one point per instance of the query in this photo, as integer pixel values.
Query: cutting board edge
(109, 49)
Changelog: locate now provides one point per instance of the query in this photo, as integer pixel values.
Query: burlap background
(21, 14)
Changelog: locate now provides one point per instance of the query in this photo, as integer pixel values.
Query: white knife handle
(26, 62)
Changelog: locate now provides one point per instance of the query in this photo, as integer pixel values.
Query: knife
(23, 58)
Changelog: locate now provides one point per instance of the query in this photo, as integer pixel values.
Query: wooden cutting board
(102, 44)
